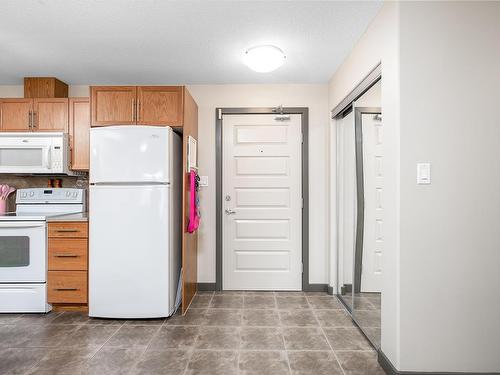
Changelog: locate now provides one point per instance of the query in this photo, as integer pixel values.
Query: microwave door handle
(49, 157)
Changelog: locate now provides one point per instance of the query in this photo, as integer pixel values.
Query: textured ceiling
(152, 41)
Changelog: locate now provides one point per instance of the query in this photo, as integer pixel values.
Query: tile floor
(367, 313)
(223, 333)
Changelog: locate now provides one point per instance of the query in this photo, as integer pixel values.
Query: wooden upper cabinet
(79, 131)
(16, 115)
(44, 87)
(50, 114)
(159, 105)
(113, 105)
(141, 105)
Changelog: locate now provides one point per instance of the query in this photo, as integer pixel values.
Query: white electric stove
(23, 246)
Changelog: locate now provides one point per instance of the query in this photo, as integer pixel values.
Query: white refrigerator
(134, 221)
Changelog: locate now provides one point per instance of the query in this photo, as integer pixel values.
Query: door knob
(230, 212)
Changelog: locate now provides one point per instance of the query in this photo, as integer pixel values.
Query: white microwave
(46, 153)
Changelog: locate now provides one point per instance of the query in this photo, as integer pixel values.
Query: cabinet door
(79, 132)
(44, 87)
(72, 229)
(50, 114)
(67, 286)
(16, 115)
(113, 105)
(30, 87)
(159, 105)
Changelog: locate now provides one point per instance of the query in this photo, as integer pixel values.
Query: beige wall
(17, 91)
(450, 230)
(208, 98)
(315, 97)
(379, 44)
(440, 79)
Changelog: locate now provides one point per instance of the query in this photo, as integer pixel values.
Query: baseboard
(347, 288)
(206, 287)
(391, 370)
(315, 288)
(329, 290)
(70, 307)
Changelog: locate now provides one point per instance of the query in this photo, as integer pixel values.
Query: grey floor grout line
(192, 349)
(283, 338)
(37, 362)
(146, 348)
(239, 351)
(49, 350)
(286, 352)
(280, 327)
(331, 348)
(109, 338)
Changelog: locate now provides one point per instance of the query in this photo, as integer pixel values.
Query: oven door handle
(21, 225)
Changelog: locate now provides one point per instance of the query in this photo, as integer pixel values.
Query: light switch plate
(203, 180)
(423, 173)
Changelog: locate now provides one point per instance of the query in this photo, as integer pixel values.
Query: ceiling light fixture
(264, 59)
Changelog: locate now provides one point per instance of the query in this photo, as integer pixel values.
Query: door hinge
(301, 267)
(219, 113)
(302, 203)
(301, 137)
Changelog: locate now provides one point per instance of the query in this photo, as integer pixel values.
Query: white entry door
(262, 203)
(373, 237)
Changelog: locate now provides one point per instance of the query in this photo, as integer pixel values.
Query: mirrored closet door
(360, 195)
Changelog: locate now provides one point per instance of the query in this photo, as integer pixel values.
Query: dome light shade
(264, 59)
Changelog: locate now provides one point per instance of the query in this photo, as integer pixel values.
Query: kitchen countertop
(82, 216)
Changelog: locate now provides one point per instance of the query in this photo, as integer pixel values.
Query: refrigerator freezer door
(121, 154)
(129, 252)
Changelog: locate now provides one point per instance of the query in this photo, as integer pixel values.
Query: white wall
(378, 44)
(315, 97)
(440, 79)
(209, 97)
(450, 230)
(371, 98)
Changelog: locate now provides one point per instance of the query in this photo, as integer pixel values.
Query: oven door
(23, 252)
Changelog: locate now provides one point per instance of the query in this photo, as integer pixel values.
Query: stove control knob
(68, 193)
(32, 193)
(23, 194)
(75, 194)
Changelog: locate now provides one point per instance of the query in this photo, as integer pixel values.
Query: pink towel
(194, 218)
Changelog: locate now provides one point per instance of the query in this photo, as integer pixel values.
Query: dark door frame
(360, 192)
(304, 112)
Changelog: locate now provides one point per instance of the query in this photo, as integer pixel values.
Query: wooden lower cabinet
(67, 281)
(67, 287)
(67, 254)
(68, 229)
